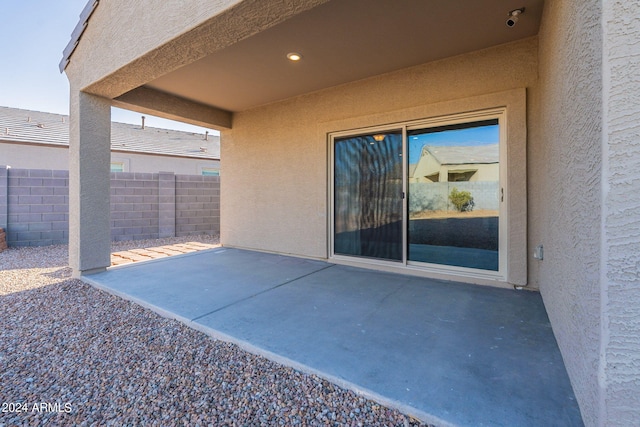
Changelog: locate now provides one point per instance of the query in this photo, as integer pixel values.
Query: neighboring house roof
(463, 155)
(33, 127)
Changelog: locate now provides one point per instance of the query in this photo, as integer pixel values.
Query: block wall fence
(34, 205)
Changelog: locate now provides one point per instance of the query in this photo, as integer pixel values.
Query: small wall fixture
(379, 137)
(294, 56)
(513, 16)
(538, 252)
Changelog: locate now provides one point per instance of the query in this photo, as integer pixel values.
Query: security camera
(513, 17)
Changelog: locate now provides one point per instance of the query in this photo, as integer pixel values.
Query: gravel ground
(73, 355)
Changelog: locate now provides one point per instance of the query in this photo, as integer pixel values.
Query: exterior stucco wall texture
(566, 184)
(282, 205)
(620, 274)
(89, 234)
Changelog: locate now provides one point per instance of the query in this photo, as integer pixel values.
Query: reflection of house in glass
(457, 163)
(437, 233)
(475, 169)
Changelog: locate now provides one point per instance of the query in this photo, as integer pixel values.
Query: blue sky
(33, 35)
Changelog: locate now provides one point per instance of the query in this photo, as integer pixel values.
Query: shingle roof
(461, 155)
(35, 127)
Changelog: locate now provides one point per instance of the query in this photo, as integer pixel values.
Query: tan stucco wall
(281, 205)
(23, 156)
(620, 273)
(155, 164)
(89, 183)
(566, 175)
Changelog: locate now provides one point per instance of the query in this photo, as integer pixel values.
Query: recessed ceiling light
(294, 56)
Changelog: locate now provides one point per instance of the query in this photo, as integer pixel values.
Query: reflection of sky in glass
(483, 135)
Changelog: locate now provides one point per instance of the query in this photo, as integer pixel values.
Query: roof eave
(77, 33)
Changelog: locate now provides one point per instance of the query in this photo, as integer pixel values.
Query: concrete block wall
(37, 207)
(4, 170)
(197, 204)
(34, 205)
(166, 204)
(134, 206)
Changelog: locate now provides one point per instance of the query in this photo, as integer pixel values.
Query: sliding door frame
(494, 113)
(354, 133)
(414, 267)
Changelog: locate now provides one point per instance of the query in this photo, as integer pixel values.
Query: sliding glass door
(454, 194)
(367, 193)
(428, 194)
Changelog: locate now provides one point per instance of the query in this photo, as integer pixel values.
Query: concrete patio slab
(446, 352)
(193, 285)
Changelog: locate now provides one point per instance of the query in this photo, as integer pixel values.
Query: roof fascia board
(161, 104)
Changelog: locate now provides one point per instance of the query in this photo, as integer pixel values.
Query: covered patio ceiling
(341, 41)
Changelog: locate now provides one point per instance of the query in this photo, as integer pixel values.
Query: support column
(89, 183)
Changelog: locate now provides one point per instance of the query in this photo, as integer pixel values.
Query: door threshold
(473, 277)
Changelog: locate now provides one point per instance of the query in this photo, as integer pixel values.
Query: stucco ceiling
(343, 41)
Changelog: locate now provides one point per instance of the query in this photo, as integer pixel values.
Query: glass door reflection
(453, 203)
